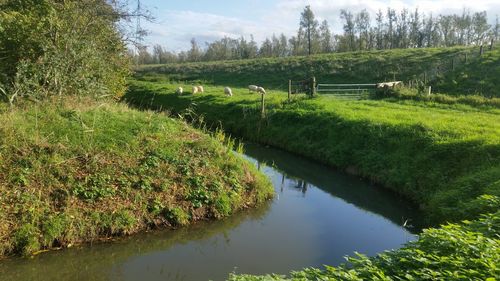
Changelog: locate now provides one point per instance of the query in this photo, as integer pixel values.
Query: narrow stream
(318, 216)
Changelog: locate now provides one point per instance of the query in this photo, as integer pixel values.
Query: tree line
(389, 29)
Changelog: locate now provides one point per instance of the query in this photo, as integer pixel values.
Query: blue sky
(177, 21)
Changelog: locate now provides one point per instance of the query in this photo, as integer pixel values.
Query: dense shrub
(53, 47)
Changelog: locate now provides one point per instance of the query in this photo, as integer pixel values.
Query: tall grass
(76, 170)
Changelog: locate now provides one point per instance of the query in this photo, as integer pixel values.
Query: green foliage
(26, 239)
(96, 187)
(177, 216)
(199, 197)
(61, 48)
(223, 206)
(53, 229)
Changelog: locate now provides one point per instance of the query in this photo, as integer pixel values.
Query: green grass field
(441, 156)
(445, 69)
(79, 170)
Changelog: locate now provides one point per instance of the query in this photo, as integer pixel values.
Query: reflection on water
(317, 218)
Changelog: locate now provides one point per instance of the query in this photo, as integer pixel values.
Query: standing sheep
(228, 92)
(252, 88)
(195, 90)
(200, 89)
(179, 90)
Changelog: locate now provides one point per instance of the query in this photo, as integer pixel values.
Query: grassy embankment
(439, 152)
(440, 156)
(477, 76)
(76, 170)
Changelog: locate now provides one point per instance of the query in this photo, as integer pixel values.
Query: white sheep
(253, 88)
(200, 89)
(389, 84)
(195, 90)
(228, 92)
(261, 90)
(179, 90)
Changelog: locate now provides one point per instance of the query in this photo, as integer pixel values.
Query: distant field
(454, 71)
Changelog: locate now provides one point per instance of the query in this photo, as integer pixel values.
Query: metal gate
(348, 91)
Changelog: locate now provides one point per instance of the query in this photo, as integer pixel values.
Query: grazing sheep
(195, 90)
(228, 92)
(389, 84)
(261, 90)
(179, 90)
(200, 89)
(252, 88)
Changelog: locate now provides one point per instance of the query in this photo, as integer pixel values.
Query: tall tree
(447, 28)
(310, 26)
(362, 23)
(380, 29)
(266, 49)
(496, 30)
(415, 36)
(284, 46)
(480, 26)
(348, 28)
(391, 23)
(326, 37)
(402, 29)
(194, 54)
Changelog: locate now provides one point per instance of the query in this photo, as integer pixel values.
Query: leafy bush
(60, 48)
(177, 216)
(26, 239)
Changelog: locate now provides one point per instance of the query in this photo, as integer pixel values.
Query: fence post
(262, 107)
(481, 50)
(465, 57)
(425, 77)
(313, 91)
(430, 91)
(289, 89)
(452, 63)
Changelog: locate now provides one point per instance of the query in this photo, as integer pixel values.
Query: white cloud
(175, 28)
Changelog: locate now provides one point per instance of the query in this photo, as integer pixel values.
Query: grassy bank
(76, 170)
(444, 68)
(478, 77)
(440, 156)
(406, 93)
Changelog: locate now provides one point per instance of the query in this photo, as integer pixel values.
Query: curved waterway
(319, 216)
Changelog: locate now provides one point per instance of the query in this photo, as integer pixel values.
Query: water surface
(318, 216)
